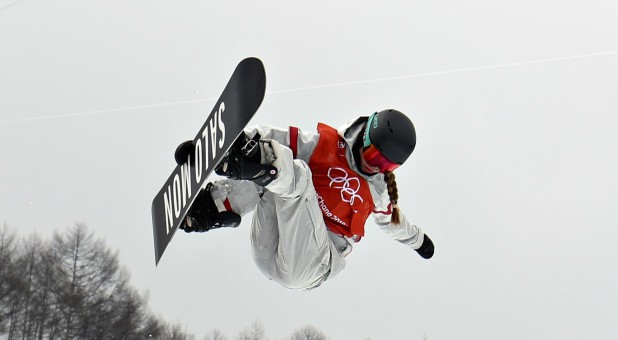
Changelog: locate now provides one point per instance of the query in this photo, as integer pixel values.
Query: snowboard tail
(239, 101)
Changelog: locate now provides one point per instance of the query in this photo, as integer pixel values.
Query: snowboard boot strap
(204, 215)
(250, 160)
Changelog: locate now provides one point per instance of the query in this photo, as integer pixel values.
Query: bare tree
(8, 284)
(90, 290)
(71, 287)
(254, 332)
(127, 311)
(29, 264)
(215, 334)
(176, 332)
(308, 333)
(153, 328)
(81, 264)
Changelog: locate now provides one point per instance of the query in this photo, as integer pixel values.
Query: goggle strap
(366, 140)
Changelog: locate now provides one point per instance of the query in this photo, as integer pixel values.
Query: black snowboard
(239, 101)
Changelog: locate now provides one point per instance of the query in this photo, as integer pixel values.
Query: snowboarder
(311, 194)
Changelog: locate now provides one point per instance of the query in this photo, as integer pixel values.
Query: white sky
(514, 175)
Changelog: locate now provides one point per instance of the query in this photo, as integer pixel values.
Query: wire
(95, 112)
(307, 88)
(10, 5)
(439, 73)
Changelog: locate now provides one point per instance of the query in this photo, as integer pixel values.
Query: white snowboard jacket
(405, 232)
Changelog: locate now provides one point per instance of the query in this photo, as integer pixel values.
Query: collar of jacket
(351, 133)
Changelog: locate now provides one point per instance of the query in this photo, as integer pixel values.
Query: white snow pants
(290, 241)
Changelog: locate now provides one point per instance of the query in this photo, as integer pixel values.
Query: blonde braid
(391, 185)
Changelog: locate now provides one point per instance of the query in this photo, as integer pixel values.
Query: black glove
(426, 249)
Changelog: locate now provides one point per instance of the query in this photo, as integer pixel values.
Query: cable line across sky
(323, 86)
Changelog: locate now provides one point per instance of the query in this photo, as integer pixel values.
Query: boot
(204, 215)
(249, 159)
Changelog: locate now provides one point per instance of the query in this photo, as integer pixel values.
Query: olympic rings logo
(349, 186)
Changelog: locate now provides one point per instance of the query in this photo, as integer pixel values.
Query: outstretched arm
(405, 233)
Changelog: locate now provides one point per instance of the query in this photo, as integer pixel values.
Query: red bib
(343, 195)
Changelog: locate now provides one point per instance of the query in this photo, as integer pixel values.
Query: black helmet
(392, 133)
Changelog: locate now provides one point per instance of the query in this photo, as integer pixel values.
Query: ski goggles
(376, 159)
(372, 154)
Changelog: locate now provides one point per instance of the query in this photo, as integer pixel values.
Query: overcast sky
(514, 175)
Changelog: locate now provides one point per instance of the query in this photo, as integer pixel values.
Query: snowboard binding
(204, 215)
(249, 159)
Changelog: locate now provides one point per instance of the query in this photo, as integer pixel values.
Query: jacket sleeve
(405, 232)
(303, 145)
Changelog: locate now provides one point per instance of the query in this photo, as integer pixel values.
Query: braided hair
(389, 178)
